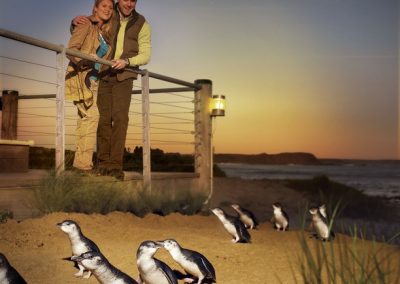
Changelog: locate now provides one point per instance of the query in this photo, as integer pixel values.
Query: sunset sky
(318, 76)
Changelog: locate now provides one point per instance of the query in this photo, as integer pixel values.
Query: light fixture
(218, 105)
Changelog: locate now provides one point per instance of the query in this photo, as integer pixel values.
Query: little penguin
(320, 224)
(152, 270)
(192, 262)
(280, 219)
(102, 269)
(246, 216)
(79, 243)
(8, 274)
(322, 210)
(234, 226)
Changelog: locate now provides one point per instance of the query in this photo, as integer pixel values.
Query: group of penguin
(86, 254)
(237, 226)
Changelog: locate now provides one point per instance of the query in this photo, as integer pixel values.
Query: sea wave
(373, 179)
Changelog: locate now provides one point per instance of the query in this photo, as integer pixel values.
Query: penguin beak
(160, 243)
(76, 258)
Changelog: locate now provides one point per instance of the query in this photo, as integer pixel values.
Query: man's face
(126, 6)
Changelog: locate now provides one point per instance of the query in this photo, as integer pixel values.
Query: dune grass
(73, 193)
(346, 259)
(5, 215)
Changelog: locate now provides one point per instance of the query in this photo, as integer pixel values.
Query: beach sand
(35, 247)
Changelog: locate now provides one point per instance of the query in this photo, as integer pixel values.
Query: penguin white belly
(156, 277)
(322, 229)
(150, 274)
(281, 221)
(230, 228)
(3, 279)
(106, 276)
(247, 220)
(191, 268)
(78, 248)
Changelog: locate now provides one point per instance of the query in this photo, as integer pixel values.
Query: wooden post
(9, 115)
(60, 124)
(146, 131)
(203, 132)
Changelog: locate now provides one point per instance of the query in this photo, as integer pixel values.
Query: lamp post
(218, 105)
(217, 108)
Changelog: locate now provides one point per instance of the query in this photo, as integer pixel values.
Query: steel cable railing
(182, 125)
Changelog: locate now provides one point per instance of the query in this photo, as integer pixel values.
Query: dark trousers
(113, 102)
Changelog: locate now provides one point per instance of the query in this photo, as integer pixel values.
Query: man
(131, 43)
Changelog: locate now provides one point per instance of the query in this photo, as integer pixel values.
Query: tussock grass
(5, 215)
(346, 259)
(69, 192)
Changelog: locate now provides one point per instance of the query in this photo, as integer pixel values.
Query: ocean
(375, 179)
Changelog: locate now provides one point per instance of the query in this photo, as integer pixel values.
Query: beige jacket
(77, 84)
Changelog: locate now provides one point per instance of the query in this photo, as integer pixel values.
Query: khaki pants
(113, 102)
(86, 128)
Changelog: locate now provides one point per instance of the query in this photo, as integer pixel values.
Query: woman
(82, 76)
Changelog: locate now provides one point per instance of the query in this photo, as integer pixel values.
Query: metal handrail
(59, 48)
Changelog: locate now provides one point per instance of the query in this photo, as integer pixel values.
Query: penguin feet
(87, 275)
(188, 280)
(79, 273)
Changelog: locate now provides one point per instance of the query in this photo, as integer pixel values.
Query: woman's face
(103, 11)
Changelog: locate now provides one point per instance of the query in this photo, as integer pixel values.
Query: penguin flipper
(244, 236)
(16, 278)
(167, 271)
(205, 266)
(93, 246)
(179, 275)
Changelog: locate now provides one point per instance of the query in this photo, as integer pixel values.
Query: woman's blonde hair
(106, 27)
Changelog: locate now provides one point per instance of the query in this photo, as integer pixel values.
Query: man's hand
(119, 64)
(80, 20)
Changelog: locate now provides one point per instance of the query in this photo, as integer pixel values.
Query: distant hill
(298, 158)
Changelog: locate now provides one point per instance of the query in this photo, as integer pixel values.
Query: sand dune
(36, 246)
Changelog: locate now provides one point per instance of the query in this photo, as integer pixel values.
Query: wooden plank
(14, 158)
